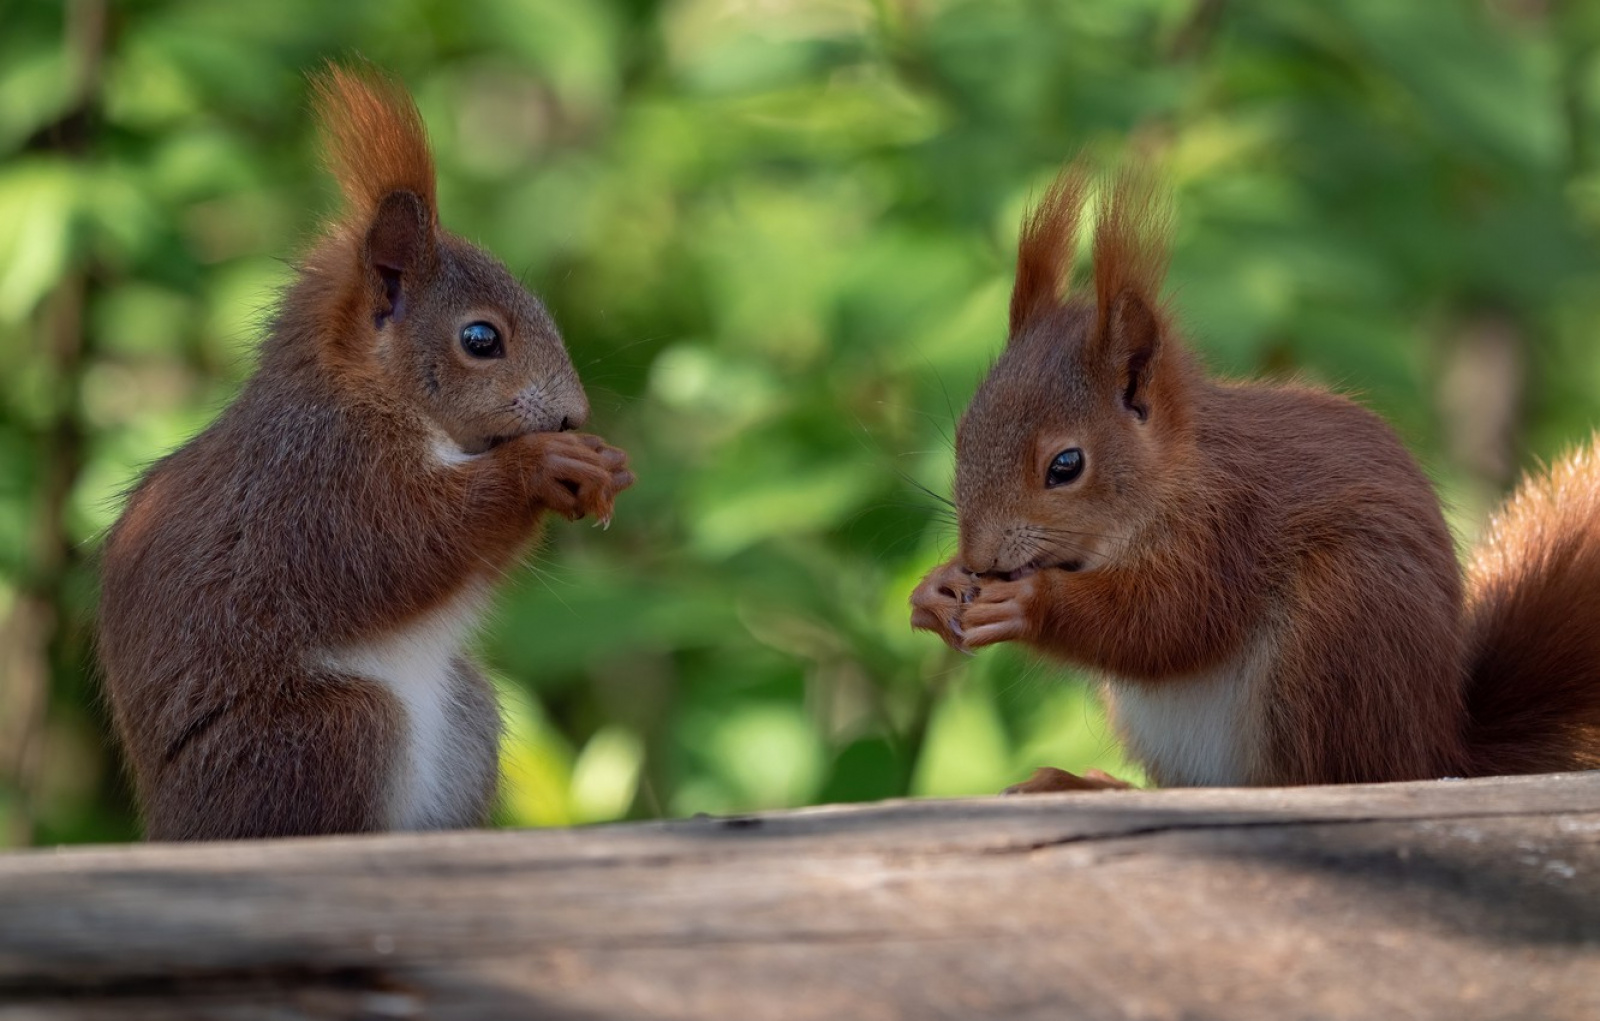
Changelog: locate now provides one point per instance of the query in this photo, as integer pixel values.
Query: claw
(961, 639)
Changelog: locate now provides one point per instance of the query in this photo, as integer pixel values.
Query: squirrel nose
(567, 425)
(973, 566)
(981, 556)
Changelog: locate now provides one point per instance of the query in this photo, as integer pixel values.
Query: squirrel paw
(1046, 780)
(998, 611)
(580, 474)
(936, 603)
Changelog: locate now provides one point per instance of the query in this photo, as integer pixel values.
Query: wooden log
(1451, 899)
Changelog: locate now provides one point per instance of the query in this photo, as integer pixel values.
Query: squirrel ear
(398, 250)
(1045, 247)
(1130, 258)
(1132, 338)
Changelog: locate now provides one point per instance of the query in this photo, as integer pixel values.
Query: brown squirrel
(285, 598)
(1261, 573)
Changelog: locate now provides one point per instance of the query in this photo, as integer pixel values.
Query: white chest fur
(1199, 731)
(417, 665)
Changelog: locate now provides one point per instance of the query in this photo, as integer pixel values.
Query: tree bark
(1464, 899)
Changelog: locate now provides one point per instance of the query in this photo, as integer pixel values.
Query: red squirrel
(286, 597)
(1260, 573)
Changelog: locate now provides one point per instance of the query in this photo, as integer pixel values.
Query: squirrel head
(1065, 451)
(410, 313)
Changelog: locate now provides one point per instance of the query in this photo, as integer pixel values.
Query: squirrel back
(1260, 572)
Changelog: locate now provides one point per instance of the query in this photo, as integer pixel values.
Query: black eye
(480, 340)
(1067, 466)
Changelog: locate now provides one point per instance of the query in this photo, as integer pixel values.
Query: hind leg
(317, 755)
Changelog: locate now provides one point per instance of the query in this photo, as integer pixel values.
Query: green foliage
(778, 237)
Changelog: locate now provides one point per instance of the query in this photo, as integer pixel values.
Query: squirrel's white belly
(417, 665)
(1198, 731)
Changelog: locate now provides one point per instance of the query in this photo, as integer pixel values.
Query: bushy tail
(1534, 626)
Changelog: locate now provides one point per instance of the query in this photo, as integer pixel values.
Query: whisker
(942, 423)
(1041, 548)
(601, 356)
(939, 514)
(900, 472)
(1061, 532)
(949, 405)
(945, 500)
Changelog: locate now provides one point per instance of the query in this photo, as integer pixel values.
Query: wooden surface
(1453, 900)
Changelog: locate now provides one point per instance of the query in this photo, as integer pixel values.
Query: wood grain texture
(1460, 900)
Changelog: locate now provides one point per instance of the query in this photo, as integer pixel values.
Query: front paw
(937, 602)
(999, 611)
(579, 475)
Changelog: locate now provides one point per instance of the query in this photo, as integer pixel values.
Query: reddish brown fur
(1130, 240)
(1535, 625)
(374, 140)
(369, 477)
(1277, 537)
(1044, 252)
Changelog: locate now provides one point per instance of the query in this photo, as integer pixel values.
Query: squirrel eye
(1066, 467)
(480, 340)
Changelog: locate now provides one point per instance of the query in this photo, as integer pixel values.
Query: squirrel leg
(316, 754)
(1046, 780)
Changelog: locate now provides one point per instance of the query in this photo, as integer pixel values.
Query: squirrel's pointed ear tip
(401, 235)
(1134, 318)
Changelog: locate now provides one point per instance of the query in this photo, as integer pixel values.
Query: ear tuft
(1131, 240)
(374, 140)
(1131, 245)
(1045, 249)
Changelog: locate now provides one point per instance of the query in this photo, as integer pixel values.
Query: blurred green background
(778, 235)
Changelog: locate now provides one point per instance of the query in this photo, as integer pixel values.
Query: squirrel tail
(1534, 626)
